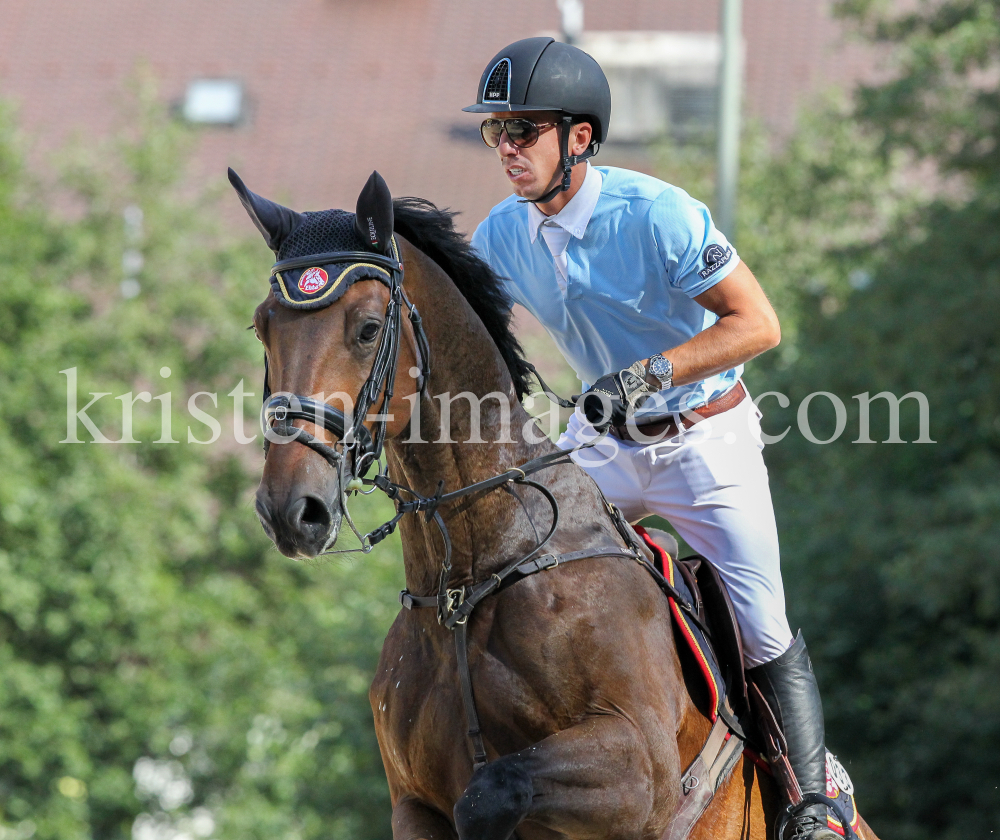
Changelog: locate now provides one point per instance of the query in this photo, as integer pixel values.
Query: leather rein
(363, 448)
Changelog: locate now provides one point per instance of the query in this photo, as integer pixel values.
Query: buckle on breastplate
(456, 597)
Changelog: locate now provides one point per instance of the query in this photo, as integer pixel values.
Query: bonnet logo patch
(312, 280)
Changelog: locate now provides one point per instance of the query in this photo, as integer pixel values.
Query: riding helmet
(542, 74)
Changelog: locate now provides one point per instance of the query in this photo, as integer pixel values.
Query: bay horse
(585, 716)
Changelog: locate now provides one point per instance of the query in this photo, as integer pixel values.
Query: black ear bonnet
(319, 283)
(320, 255)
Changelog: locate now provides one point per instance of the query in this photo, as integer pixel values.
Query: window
(214, 102)
(662, 83)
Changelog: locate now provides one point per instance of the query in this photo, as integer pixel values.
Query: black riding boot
(789, 686)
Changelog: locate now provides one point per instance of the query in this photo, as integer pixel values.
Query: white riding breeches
(710, 483)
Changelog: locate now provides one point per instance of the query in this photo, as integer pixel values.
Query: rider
(656, 313)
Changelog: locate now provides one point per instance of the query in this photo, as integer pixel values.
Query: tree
(889, 549)
(165, 672)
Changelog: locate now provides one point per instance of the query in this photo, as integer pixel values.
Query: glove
(615, 396)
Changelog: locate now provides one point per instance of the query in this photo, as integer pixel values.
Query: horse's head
(333, 345)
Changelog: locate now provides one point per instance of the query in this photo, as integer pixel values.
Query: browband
(331, 257)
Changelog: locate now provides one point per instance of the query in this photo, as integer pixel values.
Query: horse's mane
(433, 232)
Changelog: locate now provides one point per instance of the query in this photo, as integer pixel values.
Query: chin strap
(568, 162)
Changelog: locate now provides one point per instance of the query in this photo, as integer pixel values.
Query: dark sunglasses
(522, 133)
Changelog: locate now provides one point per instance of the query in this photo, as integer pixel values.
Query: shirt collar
(574, 217)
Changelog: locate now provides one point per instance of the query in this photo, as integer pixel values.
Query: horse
(583, 718)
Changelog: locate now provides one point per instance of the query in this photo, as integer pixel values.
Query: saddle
(739, 712)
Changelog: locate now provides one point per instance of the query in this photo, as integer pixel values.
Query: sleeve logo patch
(714, 257)
(312, 280)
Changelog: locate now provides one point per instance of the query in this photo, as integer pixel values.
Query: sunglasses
(521, 132)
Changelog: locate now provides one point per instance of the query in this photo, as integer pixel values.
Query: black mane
(433, 232)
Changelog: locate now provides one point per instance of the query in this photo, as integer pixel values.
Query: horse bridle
(365, 446)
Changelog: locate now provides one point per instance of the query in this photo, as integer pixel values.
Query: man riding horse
(657, 314)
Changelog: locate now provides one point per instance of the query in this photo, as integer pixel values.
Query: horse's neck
(480, 526)
(484, 529)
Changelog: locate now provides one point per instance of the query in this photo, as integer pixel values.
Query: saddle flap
(721, 619)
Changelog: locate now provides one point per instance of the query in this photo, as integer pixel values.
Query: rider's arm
(747, 326)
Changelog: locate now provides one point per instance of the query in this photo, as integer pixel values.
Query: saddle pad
(692, 634)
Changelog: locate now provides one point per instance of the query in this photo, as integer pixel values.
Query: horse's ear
(373, 220)
(273, 221)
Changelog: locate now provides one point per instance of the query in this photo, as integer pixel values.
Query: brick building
(332, 89)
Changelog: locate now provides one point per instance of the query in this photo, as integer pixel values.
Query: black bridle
(363, 447)
(366, 446)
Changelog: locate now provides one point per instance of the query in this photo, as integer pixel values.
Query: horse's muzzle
(304, 527)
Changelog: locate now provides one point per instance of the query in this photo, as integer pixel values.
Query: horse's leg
(412, 820)
(593, 780)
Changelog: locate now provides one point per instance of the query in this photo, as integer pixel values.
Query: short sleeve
(695, 254)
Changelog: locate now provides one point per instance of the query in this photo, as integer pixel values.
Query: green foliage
(944, 101)
(874, 232)
(889, 550)
(163, 666)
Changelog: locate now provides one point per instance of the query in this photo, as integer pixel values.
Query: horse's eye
(369, 331)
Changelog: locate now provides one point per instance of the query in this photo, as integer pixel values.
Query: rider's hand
(614, 397)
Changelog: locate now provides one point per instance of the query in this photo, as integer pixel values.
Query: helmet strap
(568, 162)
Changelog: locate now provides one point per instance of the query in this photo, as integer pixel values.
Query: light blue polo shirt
(648, 249)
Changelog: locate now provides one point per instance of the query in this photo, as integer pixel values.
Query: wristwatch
(662, 370)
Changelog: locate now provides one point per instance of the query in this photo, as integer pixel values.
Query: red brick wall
(341, 87)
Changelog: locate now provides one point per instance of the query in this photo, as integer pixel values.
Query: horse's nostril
(305, 526)
(315, 512)
(309, 512)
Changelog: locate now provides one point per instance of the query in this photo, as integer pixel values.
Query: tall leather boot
(789, 686)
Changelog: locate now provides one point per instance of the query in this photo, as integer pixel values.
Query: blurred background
(165, 674)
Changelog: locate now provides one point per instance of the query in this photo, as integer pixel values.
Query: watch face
(660, 367)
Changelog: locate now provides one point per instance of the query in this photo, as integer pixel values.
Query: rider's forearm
(730, 341)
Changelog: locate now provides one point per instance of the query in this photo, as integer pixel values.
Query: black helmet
(542, 74)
